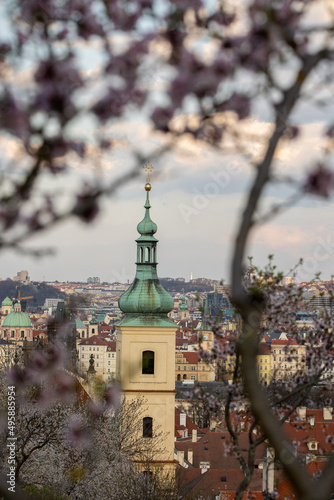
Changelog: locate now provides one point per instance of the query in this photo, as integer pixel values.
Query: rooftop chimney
(327, 413)
(180, 457)
(183, 419)
(268, 471)
(190, 456)
(213, 424)
(194, 436)
(301, 413)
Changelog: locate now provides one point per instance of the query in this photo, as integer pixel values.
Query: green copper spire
(146, 302)
(93, 318)
(183, 306)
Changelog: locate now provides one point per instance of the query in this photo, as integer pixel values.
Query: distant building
(263, 363)
(22, 276)
(6, 308)
(190, 366)
(215, 302)
(183, 312)
(17, 325)
(287, 359)
(51, 303)
(94, 280)
(104, 354)
(81, 328)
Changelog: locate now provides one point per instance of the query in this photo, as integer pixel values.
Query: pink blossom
(320, 181)
(77, 433)
(161, 117)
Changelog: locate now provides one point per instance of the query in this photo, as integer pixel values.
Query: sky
(197, 198)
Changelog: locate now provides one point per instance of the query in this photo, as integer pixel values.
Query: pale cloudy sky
(197, 197)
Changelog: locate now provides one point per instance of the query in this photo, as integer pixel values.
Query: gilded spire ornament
(148, 169)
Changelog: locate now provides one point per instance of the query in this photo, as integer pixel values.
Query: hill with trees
(39, 292)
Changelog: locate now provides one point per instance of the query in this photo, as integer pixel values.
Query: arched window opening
(5, 333)
(22, 334)
(154, 254)
(147, 254)
(93, 330)
(147, 427)
(184, 377)
(12, 333)
(141, 254)
(148, 363)
(178, 377)
(82, 334)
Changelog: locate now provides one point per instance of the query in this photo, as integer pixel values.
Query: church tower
(93, 326)
(146, 343)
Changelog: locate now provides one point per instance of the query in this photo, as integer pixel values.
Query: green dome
(17, 319)
(7, 302)
(146, 297)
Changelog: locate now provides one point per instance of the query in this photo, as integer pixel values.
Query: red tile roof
(211, 483)
(285, 488)
(111, 346)
(301, 432)
(283, 342)
(94, 340)
(192, 357)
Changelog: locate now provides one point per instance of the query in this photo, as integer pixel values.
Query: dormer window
(313, 445)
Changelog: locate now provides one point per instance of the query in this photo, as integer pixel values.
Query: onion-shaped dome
(146, 296)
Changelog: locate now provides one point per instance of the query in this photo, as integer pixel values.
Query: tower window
(147, 254)
(93, 330)
(148, 363)
(147, 427)
(12, 333)
(22, 334)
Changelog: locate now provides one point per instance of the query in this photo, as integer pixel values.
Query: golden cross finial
(148, 168)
